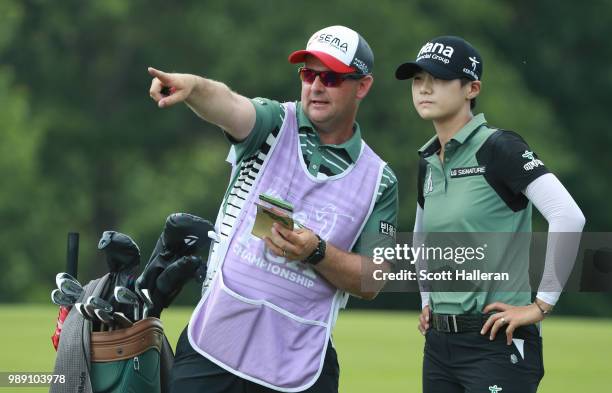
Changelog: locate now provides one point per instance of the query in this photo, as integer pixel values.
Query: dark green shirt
(478, 188)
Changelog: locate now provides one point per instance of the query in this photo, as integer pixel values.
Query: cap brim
(330, 62)
(408, 70)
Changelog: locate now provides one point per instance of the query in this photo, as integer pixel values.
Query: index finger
(162, 76)
(497, 306)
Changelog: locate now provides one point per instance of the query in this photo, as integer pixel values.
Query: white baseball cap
(340, 49)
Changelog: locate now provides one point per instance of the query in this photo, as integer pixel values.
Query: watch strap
(318, 253)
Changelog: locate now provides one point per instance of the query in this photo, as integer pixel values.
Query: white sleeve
(417, 238)
(565, 224)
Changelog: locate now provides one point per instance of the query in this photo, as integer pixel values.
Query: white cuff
(424, 299)
(549, 297)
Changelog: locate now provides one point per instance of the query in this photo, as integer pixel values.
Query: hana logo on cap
(341, 49)
(446, 57)
(431, 49)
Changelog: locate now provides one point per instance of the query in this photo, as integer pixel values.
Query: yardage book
(269, 211)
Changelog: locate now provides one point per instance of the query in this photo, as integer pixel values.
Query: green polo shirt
(323, 160)
(478, 188)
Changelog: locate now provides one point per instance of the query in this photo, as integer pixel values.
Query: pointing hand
(169, 89)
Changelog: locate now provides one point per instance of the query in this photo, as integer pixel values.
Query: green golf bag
(127, 360)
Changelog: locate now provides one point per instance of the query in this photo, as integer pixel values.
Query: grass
(378, 351)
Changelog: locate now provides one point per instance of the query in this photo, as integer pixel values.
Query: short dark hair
(465, 81)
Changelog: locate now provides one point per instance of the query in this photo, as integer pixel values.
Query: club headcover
(122, 253)
(184, 234)
(171, 281)
(174, 277)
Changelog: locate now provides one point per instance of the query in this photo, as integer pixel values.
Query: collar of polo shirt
(351, 146)
(433, 145)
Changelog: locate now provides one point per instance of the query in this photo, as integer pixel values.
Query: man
(475, 178)
(265, 319)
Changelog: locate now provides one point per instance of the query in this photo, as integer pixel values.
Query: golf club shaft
(72, 254)
(121, 320)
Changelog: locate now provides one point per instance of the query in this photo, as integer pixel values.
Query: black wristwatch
(318, 254)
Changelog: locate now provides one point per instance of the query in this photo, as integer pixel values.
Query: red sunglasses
(327, 78)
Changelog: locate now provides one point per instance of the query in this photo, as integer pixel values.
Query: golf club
(90, 310)
(171, 281)
(72, 253)
(183, 234)
(68, 285)
(121, 251)
(61, 299)
(125, 296)
(122, 258)
(99, 303)
(121, 320)
(80, 307)
(105, 318)
(146, 299)
(72, 257)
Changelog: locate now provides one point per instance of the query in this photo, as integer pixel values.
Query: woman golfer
(476, 178)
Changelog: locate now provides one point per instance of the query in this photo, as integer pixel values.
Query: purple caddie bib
(267, 319)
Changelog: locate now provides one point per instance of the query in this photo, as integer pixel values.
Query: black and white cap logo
(474, 62)
(446, 57)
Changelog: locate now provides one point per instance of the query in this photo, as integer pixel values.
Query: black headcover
(123, 260)
(184, 235)
(122, 253)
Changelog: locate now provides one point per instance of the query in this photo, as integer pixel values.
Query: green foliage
(83, 148)
(21, 196)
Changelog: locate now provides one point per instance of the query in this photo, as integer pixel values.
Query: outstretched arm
(211, 100)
